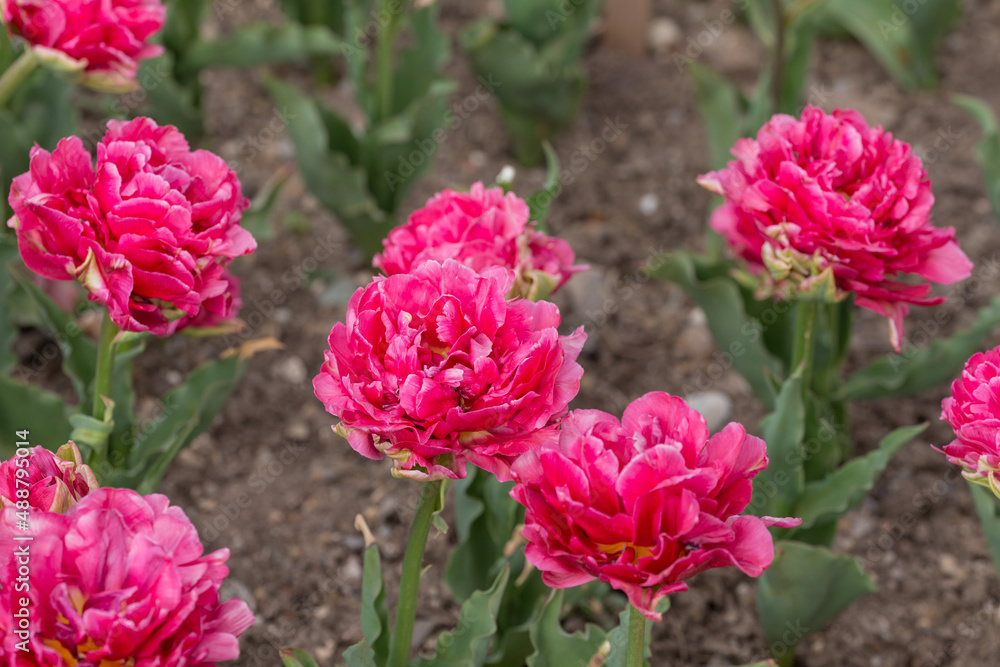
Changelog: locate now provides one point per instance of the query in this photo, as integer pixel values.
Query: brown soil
(294, 552)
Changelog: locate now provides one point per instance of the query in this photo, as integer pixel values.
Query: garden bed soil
(275, 486)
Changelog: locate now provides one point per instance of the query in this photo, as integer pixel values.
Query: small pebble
(291, 370)
(664, 34)
(649, 204)
(714, 406)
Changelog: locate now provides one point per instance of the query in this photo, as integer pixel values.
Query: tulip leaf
(469, 644)
(421, 61)
(988, 148)
(540, 202)
(719, 296)
(79, 352)
(988, 509)
(29, 408)
(8, 330)
(917, 370)
(719, 103)
(188, 411)
(257, 218)
(295, 658)
(260, 44)
(485, 519)
(803, 590)
(904, 42)
(328, 173)
(359, 655)
(374, 616)
(777, 487)
(844, 489)
(167, 100)
(554, 647)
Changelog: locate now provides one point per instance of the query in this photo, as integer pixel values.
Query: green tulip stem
(16, 74)
(409, 585)
(779, 53)
(805, 343)
(636, 638)
(104, 379)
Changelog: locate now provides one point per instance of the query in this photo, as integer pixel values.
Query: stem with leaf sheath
(409, 585)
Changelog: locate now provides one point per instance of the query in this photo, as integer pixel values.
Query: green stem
(16, 74)
(636, 638)
(104, 379)
(779, 52)
(409, 585)
(384, 46)
(805, 344)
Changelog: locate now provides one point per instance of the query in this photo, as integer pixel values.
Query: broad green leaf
(845, 488)
(468, 645)
(419, 64)
(776, 488)
(8, 330)
(719, 105)
(91, 432)
(540, 202)
(30, 408)
(718, 295)
(988, 148)
(261, 44)
(374, 616)
(904, 42)
(485, 518)
(79, 352)
(917, 370)
(188, 411)
(295, 658)
(329, 175)
(167, 100)
(257, 218)
(989, 517)
(360, 655)
(803, 590)
(554, 647)
(316, 12)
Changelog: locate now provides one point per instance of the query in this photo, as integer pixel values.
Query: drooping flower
(102, 40)
(645, 503)
(46, 481)
(435, 368)
(830, 206)
(973, 411)
(149, 232)
(481, 228)
(119, 579)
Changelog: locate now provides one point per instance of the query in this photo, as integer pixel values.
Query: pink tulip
(973, 411)
(103, 40)
(47, 481)
(481, 228)
(826, 206)
(435, 368)
(149, 232)
(119, 579)
(645, 503)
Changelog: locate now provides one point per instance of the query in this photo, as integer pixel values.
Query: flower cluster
(119, 579)
(102, 40)
(436, 368)
(644, 503)
(830, 206)
(53, 482)
(149, 231)
(973, 411)
(481, 228)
